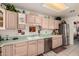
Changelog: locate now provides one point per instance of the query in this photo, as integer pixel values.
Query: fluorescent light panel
(56, 6)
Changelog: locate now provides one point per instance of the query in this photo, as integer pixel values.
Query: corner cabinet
(11, 20)
(2, 18)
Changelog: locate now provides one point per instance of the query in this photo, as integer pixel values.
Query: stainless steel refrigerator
(64, 30)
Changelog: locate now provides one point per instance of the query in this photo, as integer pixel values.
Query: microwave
(32, 29)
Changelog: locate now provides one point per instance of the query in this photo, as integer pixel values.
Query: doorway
(76, 32)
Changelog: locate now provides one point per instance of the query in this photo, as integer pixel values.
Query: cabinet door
(40, 46)
(21, 18)
(30, 19)
(56, 23)
(59, 41)
(38, 20)
(7, 50)
(56, 42)
(20, 49)
(32, 48)
(44, 23)
(2, 18)
(11, 20)
(51, 24)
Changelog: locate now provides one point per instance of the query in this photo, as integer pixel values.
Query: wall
(70, 20)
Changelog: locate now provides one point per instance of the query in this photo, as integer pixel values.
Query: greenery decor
(10, 7)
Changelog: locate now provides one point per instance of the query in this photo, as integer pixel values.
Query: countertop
(26, 38)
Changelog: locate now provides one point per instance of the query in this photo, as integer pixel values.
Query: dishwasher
(47, 44)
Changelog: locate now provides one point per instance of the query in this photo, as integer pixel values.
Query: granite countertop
(25, 38)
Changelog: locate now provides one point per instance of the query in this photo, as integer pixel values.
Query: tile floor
(72, 50)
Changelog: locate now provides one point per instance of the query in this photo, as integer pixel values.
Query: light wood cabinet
(2, 18)
(7, 50)
(20, 49)
(56, 41)
(51, 24)
(21, 21)
(56, 24)
(38, 20)
(30, 18)
(11, 20)
(32, 48)
(40, 46)
(44, 23)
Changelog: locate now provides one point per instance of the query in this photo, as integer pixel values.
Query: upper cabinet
(21, 21)
(51, 24)
(38, 20)
(2, 18)
(30, 19)
(11, 20)
(56, 23)
(21, 18)
(44, 23)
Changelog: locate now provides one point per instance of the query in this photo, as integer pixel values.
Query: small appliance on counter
(1, 39)
(55, 31)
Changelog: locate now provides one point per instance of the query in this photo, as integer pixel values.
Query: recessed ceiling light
(56, 6)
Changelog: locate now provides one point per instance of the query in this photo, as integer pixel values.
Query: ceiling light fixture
(56, 6)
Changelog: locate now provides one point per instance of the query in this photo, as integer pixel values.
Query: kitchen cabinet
(56, 24)
(21, 18)
(21, 21)
(2, 18)
(40, 46)
(7, 50)
(30, 19)
(44, 23)
(20, 49)
(32, 48)
(51, 24)
(11, 20)
(38, 20)
(56, 41)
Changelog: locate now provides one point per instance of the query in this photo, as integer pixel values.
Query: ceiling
(38, 7)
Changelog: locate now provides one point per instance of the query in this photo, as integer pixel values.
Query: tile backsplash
(46, 31)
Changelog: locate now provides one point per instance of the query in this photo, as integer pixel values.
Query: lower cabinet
(56, 42)
(28, 48)
(20, 49)
(40, 47)
(32, 48)
(7, 50)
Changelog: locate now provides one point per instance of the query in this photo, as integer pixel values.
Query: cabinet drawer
(20, 44)
(32, 42)
(41, 41)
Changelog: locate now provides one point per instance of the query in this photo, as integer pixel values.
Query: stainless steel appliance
(64, 30)
(47, 44)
